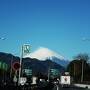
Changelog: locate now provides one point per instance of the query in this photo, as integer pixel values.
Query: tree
(79, 67)
(82, 56)
(74, 68)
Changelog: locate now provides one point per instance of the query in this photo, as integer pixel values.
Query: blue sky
(56, 24)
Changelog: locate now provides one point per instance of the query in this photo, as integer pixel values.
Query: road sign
(54, 72)
(34, 80)
(65, 80)
(26, 49)
(3, 66)
(28, 72)
(22, 80)
(15, 78)
(16, 66)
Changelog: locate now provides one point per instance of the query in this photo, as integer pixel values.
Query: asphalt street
(49, 87)
(58, 87)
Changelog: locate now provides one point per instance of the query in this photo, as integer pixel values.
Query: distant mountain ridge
(41, 66)
(7, 58)
(43, 54)
(36, 65)
(63, 63)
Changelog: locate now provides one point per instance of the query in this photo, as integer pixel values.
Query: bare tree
(84, 59)
(82, 56)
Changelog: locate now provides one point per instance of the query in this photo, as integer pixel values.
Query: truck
(65, 80)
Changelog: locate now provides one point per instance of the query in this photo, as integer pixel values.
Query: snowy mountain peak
(44, 53)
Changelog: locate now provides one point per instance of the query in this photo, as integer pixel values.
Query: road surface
(58, 87)
(49, 87)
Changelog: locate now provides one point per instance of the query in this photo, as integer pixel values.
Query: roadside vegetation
(79, 68)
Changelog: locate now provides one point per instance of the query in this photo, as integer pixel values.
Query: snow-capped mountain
(45, 53)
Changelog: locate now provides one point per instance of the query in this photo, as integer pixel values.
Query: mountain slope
(44, 53)
(8, 58)
(36, 65)
(41, 66)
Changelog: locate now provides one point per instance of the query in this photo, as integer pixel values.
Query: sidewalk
(82, 85)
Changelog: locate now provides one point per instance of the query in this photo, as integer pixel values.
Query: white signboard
(65, 80)
(23, 80)
(15, 79)
(34, 79)
(26, 49)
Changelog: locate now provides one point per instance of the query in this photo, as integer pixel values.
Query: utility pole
(82, 71)
(49, 70)
(20, 69)
(11, 67)
(3, 78)
(25, 49)
(48, 74)
(84, 39)
(74, 70)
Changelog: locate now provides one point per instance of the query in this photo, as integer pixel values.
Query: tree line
(79, 68)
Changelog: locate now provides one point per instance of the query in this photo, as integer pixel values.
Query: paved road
(49, 87)
(68, 88)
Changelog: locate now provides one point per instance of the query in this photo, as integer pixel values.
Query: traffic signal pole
(20, 69)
